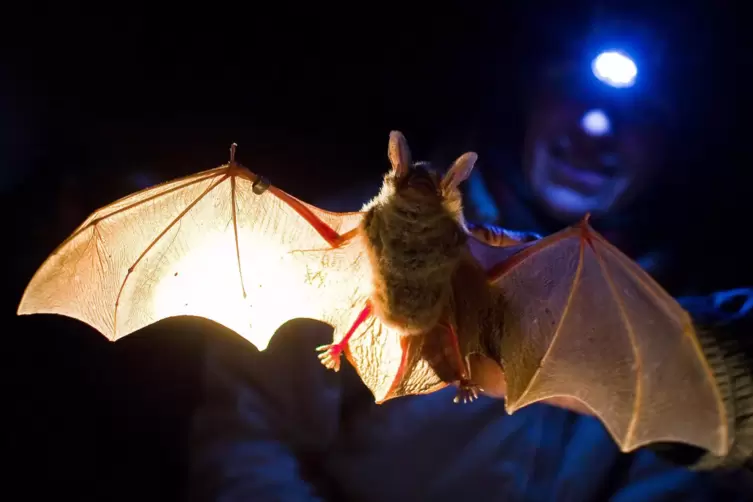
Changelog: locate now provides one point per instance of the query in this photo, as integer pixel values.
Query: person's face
(579, 159)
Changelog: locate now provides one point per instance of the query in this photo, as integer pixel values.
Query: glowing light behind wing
(192, 247)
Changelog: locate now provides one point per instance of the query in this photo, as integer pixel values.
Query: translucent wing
(585, 321)
(219, 244)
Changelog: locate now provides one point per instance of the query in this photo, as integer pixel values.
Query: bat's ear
(460, 170)
(399, 154)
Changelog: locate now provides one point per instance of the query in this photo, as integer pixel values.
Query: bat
(411, 292)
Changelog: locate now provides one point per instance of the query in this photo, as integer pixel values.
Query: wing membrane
(584, 321)
(390, 365)
(204, 245)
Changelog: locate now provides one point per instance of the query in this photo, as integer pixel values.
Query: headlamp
(615, 69)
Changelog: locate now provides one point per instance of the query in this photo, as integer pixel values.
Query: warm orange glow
(193, 246)
(208, 284)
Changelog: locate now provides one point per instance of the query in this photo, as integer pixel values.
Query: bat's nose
(421, 181)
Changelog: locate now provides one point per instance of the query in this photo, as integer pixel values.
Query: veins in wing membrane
(164, 231)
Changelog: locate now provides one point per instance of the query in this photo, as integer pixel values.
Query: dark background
(96, 104)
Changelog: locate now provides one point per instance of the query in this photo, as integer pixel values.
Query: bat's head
(420, 186)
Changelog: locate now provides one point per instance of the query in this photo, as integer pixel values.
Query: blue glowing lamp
(615, 69)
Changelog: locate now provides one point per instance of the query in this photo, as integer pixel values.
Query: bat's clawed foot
(467, 392)
(330, 355)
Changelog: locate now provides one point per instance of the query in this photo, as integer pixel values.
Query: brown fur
(416, 238)
(414, 248)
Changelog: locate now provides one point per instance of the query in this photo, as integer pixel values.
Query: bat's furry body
(415, 242)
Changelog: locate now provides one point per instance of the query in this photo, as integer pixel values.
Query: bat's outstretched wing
(221, 244)
(226, 245)
(585, 321)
